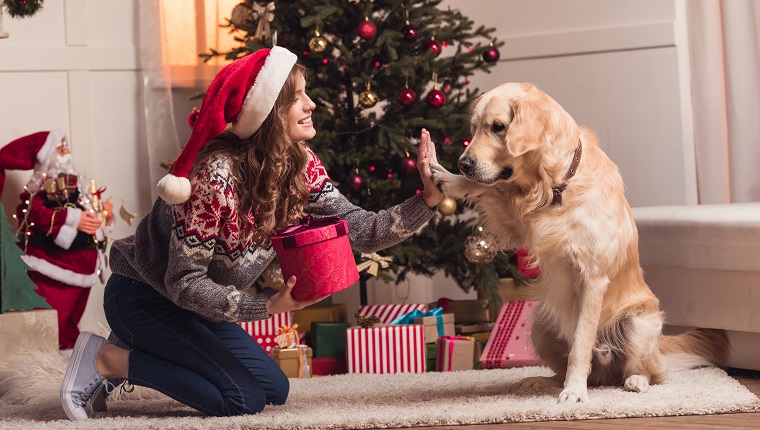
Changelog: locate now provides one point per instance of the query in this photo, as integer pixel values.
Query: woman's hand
(426, 155)
(88, 223)
(283, 301)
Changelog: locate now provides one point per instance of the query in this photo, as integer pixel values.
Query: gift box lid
(310, 231)
(289, 353)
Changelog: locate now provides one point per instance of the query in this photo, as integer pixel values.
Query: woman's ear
(527, 129)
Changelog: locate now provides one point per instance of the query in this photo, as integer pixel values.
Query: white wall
(615, 65)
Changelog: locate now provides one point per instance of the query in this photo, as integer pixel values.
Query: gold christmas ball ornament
(447, 206)
(318, 44)
(368, 98)
(480, 247)
(273, 276)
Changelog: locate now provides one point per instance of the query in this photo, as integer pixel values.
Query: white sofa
(703, 262)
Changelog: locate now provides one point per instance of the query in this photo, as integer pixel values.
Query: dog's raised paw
(637, 384)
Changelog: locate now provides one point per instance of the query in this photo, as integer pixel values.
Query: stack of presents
(449, 335)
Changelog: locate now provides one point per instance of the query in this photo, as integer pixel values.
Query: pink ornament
(407, 97)
(409, 32)
(491, 55)
(408, 165)
(436, 99)
(367, 29)
(466, 142)
(434, 47)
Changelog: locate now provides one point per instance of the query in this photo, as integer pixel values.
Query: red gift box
(509, 344)
(525, 265)
(264, 331)
(318, 253)
(328, 366)
(388, 349)
(388, 313)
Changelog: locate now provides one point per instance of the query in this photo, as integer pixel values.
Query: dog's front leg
(455, 186)
(584, 339)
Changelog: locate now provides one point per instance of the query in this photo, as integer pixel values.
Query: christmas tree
(16, 289)
(381, 71)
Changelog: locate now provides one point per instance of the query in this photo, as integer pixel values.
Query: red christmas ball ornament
(367, 29)
(408, 165)
(436, 98)
(355, 182)
(409, 32)
(466, 142)
(193, 117)
(434, 47)
(407, 97)
(491, 55)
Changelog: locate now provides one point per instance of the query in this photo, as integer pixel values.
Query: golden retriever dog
(541, 181)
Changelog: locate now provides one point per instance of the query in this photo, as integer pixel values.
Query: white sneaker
(98, 400)
(82, 377)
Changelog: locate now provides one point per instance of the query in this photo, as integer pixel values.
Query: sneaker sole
(72, 412)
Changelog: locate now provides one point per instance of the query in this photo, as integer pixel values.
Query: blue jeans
(214, 367)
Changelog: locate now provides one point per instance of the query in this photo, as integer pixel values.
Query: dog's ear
(527, 129)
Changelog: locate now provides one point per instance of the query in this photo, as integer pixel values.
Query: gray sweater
(196, 254)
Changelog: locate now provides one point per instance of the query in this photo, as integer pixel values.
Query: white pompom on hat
(242, 93)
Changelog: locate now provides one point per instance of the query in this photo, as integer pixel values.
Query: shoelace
(80, 399)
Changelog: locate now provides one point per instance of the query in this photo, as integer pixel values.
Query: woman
(183, 280)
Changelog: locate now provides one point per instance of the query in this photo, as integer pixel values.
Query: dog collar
(557, 191)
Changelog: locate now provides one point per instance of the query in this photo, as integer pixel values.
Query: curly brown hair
(267, 168)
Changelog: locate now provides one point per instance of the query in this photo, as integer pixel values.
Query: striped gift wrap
(264, 331)
(386, 349)
(388, 313)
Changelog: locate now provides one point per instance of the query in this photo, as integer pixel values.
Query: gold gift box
(287, 359)
(430, 324)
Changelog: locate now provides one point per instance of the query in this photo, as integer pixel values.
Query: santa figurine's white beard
(57, 164)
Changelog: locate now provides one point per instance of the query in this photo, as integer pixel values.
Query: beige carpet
(29, 400)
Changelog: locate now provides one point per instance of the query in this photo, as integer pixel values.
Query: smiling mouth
(305, 121)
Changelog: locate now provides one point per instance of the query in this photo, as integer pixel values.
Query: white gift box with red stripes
(264, 331)
(387, 349)
(388, 313)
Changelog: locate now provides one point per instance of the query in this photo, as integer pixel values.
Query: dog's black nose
(466, 164)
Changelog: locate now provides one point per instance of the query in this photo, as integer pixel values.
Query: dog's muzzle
(467, 165)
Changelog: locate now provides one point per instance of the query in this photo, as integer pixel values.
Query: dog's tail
(694, 348)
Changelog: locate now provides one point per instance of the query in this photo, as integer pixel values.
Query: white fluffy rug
(29, 400)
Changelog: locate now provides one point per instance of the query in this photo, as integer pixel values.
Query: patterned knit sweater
(197, 255)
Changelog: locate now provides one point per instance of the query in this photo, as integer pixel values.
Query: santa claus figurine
(61, 226)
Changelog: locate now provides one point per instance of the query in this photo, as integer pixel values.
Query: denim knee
(281, 391)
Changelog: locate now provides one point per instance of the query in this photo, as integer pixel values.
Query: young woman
(183, 280)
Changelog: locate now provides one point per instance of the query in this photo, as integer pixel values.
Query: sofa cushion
(719, 236)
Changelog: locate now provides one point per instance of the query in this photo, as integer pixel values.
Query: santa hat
(243, 93)
(29, 152)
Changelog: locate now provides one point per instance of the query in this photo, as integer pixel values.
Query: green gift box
(432, 356)
(329, 338)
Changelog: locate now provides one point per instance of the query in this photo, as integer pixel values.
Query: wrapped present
(509, 344)
(525, 264)
(435, 322)
(388, 313)
(473, 328)
(466, 311)
(328, 366)
(335, 312)
(294, 362)
(431, 355)
(387, 349)
(510, 289)
(318, 253)
(264, 331)
(455, 353)
(328, 339)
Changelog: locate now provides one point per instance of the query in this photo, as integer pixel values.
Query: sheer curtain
(724, 40)
(160, 126)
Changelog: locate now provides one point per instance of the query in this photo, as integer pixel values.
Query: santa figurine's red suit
(60, 220)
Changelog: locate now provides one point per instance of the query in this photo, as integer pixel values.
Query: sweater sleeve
(368, 231)
(198, 224)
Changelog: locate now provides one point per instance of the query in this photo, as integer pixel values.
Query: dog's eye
(497, 127)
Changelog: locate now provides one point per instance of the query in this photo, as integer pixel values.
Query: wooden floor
(749, 379)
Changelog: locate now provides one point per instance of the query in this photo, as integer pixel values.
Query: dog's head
(516, 127)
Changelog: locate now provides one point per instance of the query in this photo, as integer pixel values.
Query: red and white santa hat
(33, 151)
(242, 93)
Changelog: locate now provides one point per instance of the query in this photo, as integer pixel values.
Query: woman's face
(299, 116)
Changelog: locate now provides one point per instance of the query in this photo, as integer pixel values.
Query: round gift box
(319, 254)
